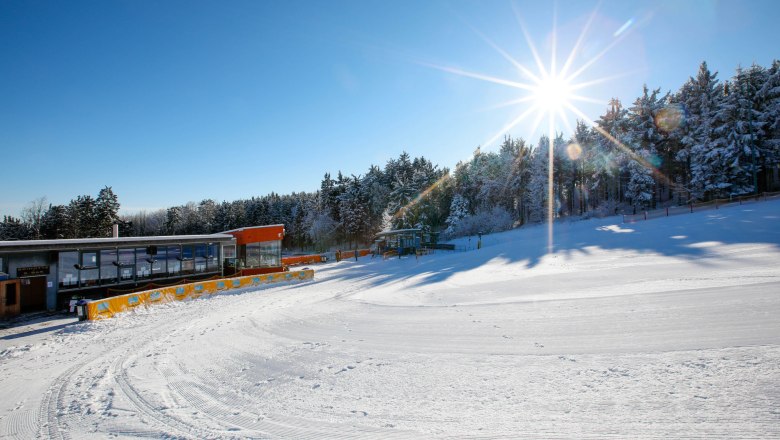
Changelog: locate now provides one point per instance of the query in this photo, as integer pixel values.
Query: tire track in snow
(52, 407)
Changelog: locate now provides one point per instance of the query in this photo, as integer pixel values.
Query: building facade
(46, 274)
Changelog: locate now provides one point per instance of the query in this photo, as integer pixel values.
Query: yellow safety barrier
(107, 308)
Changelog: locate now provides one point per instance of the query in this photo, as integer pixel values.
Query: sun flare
(549, 93)
(552, 94)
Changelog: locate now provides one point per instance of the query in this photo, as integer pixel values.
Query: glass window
(143, 264)
(108, 266)
(252, 255)
(159, 263)
(229, 254)
(126, 264)
(187, 262)
(200, 257)
(174, 260)
(68, 275)
(89, 259)
(213, 256)
(229, 250)
(270, 254)
(90, 272)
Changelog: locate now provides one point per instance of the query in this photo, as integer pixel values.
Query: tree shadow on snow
(693, 237)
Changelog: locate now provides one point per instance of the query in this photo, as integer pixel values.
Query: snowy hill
(661, 329)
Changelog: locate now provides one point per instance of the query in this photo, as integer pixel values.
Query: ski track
(609, 343)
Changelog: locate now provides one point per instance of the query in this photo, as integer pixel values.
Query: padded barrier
(304, 259)
(107, 308)
(346, 255)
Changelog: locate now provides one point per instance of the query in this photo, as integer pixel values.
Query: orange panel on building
(258, 250)
(257, 234)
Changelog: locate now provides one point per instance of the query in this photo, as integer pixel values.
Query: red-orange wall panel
(258, 234)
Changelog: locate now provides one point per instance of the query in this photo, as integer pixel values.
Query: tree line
(709, 139)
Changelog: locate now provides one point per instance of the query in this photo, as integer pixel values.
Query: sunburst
(550, 93)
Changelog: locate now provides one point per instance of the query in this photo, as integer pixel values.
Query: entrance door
(33, 294)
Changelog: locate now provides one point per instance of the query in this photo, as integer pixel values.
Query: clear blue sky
(176, 101)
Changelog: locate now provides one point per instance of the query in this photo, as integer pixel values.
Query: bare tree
(33, 213)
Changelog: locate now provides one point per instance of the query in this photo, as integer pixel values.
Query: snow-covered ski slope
(662, 329)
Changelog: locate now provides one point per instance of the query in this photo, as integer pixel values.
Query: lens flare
(670, 117)
(574, 151)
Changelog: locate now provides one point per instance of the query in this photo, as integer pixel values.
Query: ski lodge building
(38, 275)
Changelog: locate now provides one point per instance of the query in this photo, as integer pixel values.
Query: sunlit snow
(666, 328)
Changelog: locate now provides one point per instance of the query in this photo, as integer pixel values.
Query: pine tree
(459, 209)
(639, 190)
(768, 97)
(644, 140)
(173, 220)
(610, 166)
(106, 212)
(538, 193)
(354, 210)
(703, 102)
(729, 157)
(53, 225)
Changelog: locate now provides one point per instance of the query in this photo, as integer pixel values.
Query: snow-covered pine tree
(584, 138)
(537, 186)
(644, 139)
(639, 190)
(353, 206)
(459, 209)
(377, 193)
(515, 160)
(768, 97)
(729, 157)
(703, 96)
(106, 212)
(611, 163)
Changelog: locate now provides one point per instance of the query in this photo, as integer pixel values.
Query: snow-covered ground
(662, 329)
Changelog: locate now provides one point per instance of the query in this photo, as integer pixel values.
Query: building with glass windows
(48, 273)
(258, 250)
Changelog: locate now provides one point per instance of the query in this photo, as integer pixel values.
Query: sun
(552, 94)
(548, 93)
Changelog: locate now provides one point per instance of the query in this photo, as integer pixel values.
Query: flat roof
(245, 228)
(398, 232)
(98, 243)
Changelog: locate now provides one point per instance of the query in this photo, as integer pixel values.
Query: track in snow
(653, 330)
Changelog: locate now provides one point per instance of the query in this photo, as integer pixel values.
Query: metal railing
(698, 207)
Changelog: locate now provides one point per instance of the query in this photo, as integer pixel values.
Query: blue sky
(176, 101)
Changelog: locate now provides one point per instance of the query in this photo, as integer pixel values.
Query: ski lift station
(405, 241)
(38, 275)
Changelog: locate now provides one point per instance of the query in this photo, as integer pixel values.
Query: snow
(660, 329)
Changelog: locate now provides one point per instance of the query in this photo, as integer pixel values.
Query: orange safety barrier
(107, 308)
(345, 255)
(303, 259)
